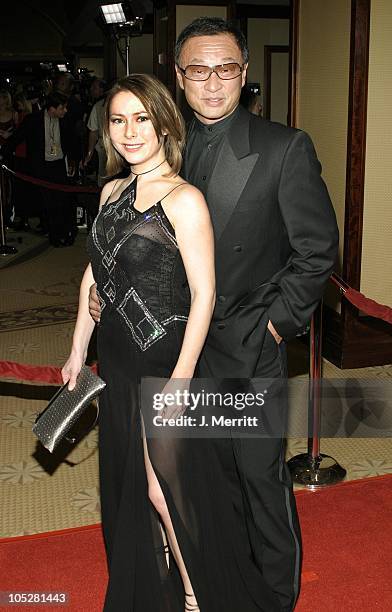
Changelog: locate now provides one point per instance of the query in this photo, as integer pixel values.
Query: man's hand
(87, 159)
(94, 306)
(278, 339)
(71, 167)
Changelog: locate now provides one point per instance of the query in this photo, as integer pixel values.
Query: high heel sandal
(165, 551)
(189, 607)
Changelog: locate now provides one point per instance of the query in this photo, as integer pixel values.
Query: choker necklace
(147, 171)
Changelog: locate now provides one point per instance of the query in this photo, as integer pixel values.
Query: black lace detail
(138, 269)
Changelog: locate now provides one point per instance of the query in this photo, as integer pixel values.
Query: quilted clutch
(66, 407)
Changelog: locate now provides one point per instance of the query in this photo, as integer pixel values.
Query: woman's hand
(175, 397)
(71, 369)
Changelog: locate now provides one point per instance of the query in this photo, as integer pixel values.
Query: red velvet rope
(368, 306)
(360, 301)
(53, 186)
(27, 372)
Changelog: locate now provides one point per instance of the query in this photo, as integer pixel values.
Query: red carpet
(347, 541)
(347, 536)
(70, 561)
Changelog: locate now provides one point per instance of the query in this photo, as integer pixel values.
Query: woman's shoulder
(112, 190)
(181, 190)
(184, 202)
(107, 190)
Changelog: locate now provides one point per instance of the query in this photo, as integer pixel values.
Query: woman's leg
(158, 500)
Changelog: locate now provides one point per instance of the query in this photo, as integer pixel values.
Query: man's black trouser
(58, 208)
(265, 500)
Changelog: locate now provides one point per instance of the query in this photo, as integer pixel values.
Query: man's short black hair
(55, 99)
(209, 26)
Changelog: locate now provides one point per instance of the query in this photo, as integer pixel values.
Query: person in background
(95, 129)
(8, 116)
(47, 146)
(36, 92)
(66, 84)
(251, 101)
(23, 106)
(97, 89)
(8, 122)
(22, 191)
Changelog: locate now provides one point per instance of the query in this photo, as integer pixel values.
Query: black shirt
(202, 149)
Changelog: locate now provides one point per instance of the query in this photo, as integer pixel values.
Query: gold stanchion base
(315, 472)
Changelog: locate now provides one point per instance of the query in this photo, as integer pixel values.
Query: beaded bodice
(138, 268)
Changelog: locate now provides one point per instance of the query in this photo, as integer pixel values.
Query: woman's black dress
(145, 300)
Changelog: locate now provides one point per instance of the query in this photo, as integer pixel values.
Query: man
(95, 127)
(66, 84)
(47, 145)
(251, 101)
(276, 244)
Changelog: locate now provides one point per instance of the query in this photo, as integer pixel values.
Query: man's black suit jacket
(32, 132)
(276, 241)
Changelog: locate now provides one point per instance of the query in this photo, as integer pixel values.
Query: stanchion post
(313, 469)
(4, 248)
(315, 375)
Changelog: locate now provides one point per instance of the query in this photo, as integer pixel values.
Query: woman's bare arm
(84, 324)
(83, 330)
(189, 215)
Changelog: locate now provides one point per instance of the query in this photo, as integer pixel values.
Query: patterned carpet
(40, 492)
(37, 317)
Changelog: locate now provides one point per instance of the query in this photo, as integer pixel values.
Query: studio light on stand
(126, 20)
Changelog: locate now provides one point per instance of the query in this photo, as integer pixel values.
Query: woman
(23, 192)
(8, 117)
(151, 249)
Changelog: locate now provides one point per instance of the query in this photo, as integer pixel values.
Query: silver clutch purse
(65, 408)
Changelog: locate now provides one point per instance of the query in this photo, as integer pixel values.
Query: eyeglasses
(203, 73)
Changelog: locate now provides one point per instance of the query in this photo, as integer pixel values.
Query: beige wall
(263, 32)
(187, 13)
(323, 87)
(279, 87)
(376, 278)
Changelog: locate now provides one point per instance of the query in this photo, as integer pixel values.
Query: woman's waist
(143, 300)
